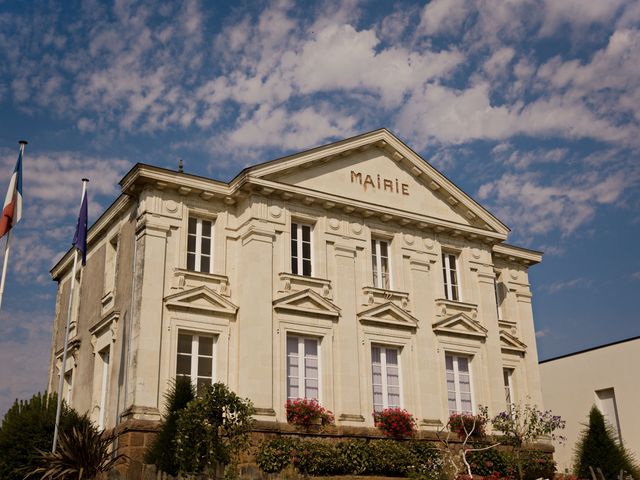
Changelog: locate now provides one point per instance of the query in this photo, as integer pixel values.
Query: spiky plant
(82, 454)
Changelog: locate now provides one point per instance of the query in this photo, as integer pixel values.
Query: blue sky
(530, 106)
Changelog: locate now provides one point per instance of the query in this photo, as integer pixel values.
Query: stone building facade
(354, 273)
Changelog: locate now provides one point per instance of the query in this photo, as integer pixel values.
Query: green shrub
(356, 456)
(162, 453)
(415, 459)
(211, 429)
(535, 464)
(28, 427)
(316, 458)
(598, 449)
(487, 462)
(275, 455)
(538, 465)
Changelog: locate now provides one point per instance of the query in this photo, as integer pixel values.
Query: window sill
(374, 295)
(445, 308)
(183, 279)
(290, 282)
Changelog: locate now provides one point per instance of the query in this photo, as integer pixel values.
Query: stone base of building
(136, 436)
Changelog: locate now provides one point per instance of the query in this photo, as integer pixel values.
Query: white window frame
(105, 359)
(68, 386)
(446, 268)
(299, 227)
(302, 379)
(456, 382)
(198, 248)
(376, 256)
(499, 297)
(384, 374)
(195, 355)
(507, 376)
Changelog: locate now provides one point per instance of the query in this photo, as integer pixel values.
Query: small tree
(212, 429)
(524, 424)
(28, 427)
(162, 452)
(598, 449)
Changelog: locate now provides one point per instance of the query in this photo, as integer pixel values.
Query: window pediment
(460, 324)
(510, 343)
(307, 302)
(388, 314)
(201, 298)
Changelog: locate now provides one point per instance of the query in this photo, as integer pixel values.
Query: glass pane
(202, 382)
(294, 231)
(311, 393)
(205, 367)
(375, 354)
(183, 365)
(191, 243)
(192, 225)
(310, 347)
(205, 247)
(306, 250)
(449, 362)
(292, 345)
(306, 268)
(454, 293)
(205, 346)
(294, 265)
(392, 356)
(206, 228)
(191, 261)
(306, 233)
(184, 343)
(384, 249)
(205, 263)
(463, 364)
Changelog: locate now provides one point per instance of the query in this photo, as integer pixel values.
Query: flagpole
(66, 334)
(8, 244)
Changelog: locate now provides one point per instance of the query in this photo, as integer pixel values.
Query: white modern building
(354, 273)
(604, 376)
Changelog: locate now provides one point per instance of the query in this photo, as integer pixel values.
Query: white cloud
(579, 282)
(444, 16)
(577, 13)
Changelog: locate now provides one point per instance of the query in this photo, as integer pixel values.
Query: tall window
(68, 386)
(380, 264)
(607, 405)
(302, 368)
(104, 386)
(200, 245)
(498, 289)
(450, 274)
(458, 384)
(195, 359)
(301, 249)
(507, 374)
(385, 377)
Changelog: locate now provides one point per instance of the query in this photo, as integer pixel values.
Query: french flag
(12, 209)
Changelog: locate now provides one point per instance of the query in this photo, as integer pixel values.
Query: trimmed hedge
(413, 459)
(488, 462)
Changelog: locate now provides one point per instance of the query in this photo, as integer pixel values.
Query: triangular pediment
(378, 169)
(460, 324)
(201, 298)
(388, 314)
(307, 302)
(510, 343)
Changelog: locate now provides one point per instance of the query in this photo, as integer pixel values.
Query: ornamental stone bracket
(446, 308)
(378, 296)
(184, 279)
(290, 283)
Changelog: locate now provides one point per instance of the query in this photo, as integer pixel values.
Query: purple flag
(80, 238)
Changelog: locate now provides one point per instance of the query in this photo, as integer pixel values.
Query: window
(195, 359)
(301, 249)
(302, 368)
(450, 274)
(498, 289)
(200, 245)
(380, 264)
(385, 377)
(110, 264)
(68, 387)
(507, 375)
(458, 384)
(607, 405)
(104, 386)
